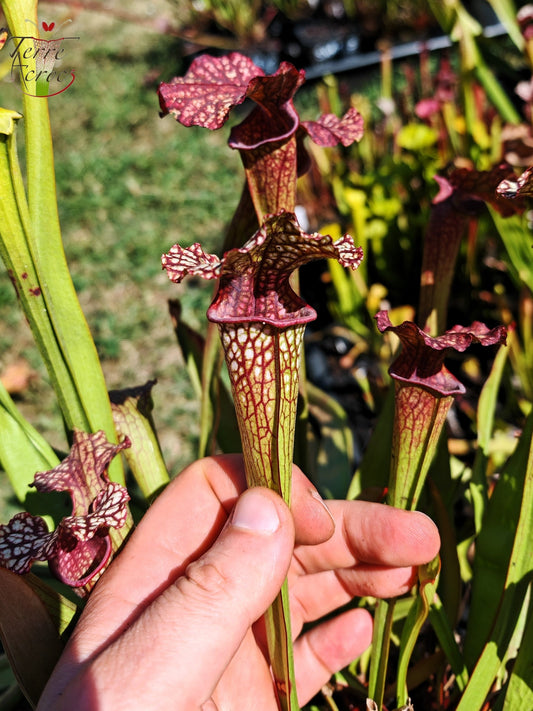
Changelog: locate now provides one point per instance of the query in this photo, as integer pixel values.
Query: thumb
(198, 623)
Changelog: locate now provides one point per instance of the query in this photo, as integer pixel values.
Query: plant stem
(381, 638)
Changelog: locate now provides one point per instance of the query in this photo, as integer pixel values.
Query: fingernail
(256, 512)
(316, 496)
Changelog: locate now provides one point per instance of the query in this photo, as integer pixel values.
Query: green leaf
(33, 232)
(214, 404)
(506, 12)
(496, 93)
(493, 655)
(495, 544)
(416, 137)
(132, 410)
(444, 13)
(445, 634)
(349, 303)
(62, 610)
(450, 582)
(504, 620)
(427, 576)
(485, 422)
(519, 693)
(517, 239)
(23, 452)
(16, 254)
(218, 419)
(381, 638)
(332, 462)
(29, 636)
(375, 466)
(65, 342)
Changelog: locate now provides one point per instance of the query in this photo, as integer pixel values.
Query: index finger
(374, 534)
(374, 551)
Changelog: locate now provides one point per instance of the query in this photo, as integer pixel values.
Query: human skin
(175, 622)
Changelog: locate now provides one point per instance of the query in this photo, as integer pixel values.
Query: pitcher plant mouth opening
(421, 358)
(424, 391)
(80, 548)
(270, 139)
(261, 321)
(213, 86)
(254, 279)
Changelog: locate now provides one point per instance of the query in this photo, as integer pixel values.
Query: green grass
(130, 185)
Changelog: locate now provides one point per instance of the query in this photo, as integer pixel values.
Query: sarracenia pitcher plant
(80, 547)
(270, 139)
(260, 318)
(424, 391)
(270, 142)
(261, 322)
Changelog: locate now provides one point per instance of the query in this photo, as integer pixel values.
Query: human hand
(175, 622)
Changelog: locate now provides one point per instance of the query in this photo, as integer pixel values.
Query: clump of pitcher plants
(260, 316)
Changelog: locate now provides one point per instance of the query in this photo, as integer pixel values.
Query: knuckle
(203, 577)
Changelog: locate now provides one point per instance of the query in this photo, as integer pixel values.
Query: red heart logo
(48, 28)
